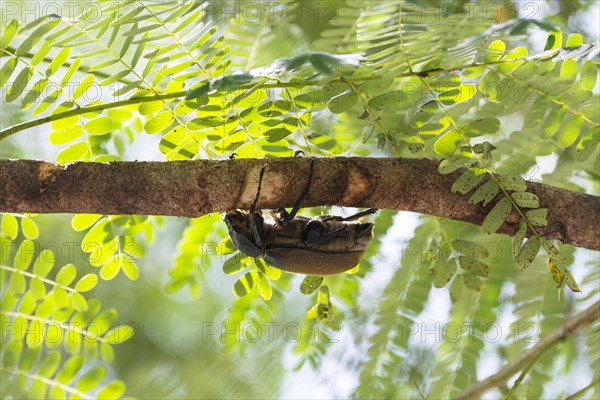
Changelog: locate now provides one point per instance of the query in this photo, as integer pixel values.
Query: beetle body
(314, 246)
(324, 245)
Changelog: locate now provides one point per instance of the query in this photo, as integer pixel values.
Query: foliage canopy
(182, 80)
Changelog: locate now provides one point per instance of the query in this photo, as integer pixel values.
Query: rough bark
(195, 188)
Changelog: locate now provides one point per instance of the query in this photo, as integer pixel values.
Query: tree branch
(194, 188)
(570, 327)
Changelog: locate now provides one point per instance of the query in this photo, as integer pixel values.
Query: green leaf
(81, 222)
(589, 75)
(110, 269)
(570, 281)
(245, 284)
(517, 240)
(325, 142)
(91, 379)
(10, 227)
(425, 113)
(18, 86)
(264, 287)
(83, 86)
(569, 131)
(60, 298)
(391, 100)
(453, 163)
(86, 283)
(99, 126)
(458, 95)
(537, 217)
(234, 264)
(113, 390)
(115, 77)
(231, 142)
(24, 255)
(512, 182)
(16, 284)
(449, 141)
(554, 41)
(7, 70)
(159, 122)
(527, 253)
(129, 267)
(482, 126)
(310, 283)
(526, 199)
(443, 271)
(226, 246)
(494, 51)
(119, 334)
(37, 289)
(70, 369)
(467, 181)
(43, 263)
(456, 289)
(74, 152)
(574, 40)
(58, 61)
(9, 33)
(78, 302)
(66, 275)
(495, 218)
(342, 102)
(271, 272)
(49, 364)
(34, 37)
(474, 266)
(59, 138)
(472, 282)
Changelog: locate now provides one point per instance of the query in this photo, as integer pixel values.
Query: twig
(570, 327)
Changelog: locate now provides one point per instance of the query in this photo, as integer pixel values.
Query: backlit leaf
(245, 284)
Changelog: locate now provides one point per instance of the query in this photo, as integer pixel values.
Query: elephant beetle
(324, 245)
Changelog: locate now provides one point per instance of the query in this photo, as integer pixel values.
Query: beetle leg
(360, 214)
(260, 178)
(350, 218)
(288, 217)
(314, 235)
(256, 221)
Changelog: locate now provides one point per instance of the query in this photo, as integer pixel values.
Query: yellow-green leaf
(245, 284)
(568, 131)
(99, 126)
(10, 227)
(342, 102)
(74, 152)
(494, 51)
(446, 144)
(159, 122)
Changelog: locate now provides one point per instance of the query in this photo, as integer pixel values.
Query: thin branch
(195, 188)
(569, 328)
(578, 394)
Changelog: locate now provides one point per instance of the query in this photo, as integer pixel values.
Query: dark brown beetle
(324, 245)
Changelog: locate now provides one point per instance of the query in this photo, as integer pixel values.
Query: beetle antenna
(260, 178)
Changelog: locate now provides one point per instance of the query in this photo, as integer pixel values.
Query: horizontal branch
(194, 188)
(570, 327)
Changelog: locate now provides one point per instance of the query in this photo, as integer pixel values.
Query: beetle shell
(314, 246)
